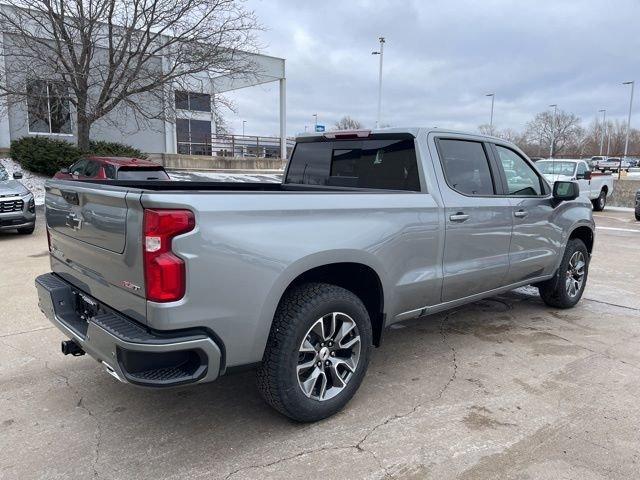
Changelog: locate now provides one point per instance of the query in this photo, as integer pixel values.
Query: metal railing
(239, 146)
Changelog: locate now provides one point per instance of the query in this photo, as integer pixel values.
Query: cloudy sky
(441, 58)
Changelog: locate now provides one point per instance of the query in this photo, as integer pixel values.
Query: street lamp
(604, 126)
(315, 127)
(626, 143)
(553, 128)
(381, 53)
(243, 124)
(493, 97)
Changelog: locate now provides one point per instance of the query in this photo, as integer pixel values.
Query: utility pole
(315, 124)
(626, 142)
(381, 53)
(243, 147)
(553, 128)
(493, 97)
(604, 126)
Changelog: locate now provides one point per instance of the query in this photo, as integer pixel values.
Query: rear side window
(466, 167)
(386, 164)
(109, 171)
(127, 173)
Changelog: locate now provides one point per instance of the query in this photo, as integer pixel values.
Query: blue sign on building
(319, 128)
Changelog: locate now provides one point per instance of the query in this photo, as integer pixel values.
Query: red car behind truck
(112, 168)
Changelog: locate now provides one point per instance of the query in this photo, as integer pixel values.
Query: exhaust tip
(70, 347)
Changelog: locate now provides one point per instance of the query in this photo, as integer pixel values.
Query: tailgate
(95, 232)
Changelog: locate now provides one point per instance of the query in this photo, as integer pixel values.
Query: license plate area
(86, 307)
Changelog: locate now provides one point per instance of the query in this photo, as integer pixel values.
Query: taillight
(164, 272)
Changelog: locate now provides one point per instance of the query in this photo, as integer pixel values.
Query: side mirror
(584, 176)
(64, 170)
(17, 175)
(565, 191)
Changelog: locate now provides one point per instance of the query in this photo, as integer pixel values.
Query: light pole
(381, 53)
(626, 142)
(553, 128)
(493, 97)
(604, 123)
(315, 124)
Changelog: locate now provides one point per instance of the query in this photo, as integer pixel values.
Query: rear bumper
(129, 351)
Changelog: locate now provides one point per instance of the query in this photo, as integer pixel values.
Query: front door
(536, 240)
(478, 222)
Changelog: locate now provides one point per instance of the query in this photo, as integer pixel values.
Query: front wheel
(600, 202)
(565, 289)
(317, 353)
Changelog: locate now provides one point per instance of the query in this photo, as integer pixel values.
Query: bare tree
(564, 131)
(347, 123)
(119, 57)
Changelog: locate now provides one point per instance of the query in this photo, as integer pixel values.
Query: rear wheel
(638, 215)
(317, 353)
(600, 202)
(565, 289)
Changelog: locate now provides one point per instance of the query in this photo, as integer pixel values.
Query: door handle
(520, 214)
(459, 217)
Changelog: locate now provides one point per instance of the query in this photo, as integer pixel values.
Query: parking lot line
(615, 229)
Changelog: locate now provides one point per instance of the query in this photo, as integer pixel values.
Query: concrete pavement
(504, 388)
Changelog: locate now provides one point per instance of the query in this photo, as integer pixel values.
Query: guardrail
(243, 146)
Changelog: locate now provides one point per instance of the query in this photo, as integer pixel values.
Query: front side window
(196, 102)
(92, 169)
(48, 107)
(521, 178)
(582, 170)
(466, 167)
(385, 164)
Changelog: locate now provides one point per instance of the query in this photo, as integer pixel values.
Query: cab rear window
(387, 164)
(126, 173)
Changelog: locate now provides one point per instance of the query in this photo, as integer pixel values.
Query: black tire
(554, 292)
(26, 230)
(600, 202)
(296, 314)
(638, 215)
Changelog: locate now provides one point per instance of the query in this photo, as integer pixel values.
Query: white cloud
(441, 58)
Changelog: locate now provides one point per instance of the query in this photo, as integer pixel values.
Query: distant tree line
(569, 137)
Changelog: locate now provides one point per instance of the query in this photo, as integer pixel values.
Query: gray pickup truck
(173, 283)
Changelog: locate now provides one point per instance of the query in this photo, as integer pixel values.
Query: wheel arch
(584, 233)
(353, 270)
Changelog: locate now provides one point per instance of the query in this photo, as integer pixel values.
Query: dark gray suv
(17, 205)
(638, 205)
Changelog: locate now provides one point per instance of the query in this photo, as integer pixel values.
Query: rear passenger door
(478, 221)
(536, 239)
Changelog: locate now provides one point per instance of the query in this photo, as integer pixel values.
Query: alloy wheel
(328, 356)
(575, 274)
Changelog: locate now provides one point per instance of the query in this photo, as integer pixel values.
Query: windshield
(3, 174)
(557, 168)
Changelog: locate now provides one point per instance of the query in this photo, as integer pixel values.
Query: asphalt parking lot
(504, 388)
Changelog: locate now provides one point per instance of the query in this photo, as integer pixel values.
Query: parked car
(17, 204)
(192, 280)
(596, 186)
(112, 168)
(613, 164)
(638, 205)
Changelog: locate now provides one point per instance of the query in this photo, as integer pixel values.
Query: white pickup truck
(596, 186)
